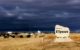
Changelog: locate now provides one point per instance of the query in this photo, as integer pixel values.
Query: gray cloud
(41, 2)
(40, 13)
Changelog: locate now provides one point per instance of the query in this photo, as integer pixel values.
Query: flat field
(42, 43)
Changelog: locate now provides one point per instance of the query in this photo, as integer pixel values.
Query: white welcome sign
(62, 34)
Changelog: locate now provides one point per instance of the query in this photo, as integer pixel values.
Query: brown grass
(42, 43)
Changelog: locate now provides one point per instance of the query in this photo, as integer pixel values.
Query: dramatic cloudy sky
(33, 15)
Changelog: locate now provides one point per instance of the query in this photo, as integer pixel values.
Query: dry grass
(43, 43)
(49, 43)
(21, 44)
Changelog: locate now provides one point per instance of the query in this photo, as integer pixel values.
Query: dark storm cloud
(39, 14)
(42, 2)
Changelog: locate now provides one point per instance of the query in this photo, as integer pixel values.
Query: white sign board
(62, 34)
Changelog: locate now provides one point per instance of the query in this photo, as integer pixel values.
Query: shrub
(21, 36)
(28, 36)
(13, 36)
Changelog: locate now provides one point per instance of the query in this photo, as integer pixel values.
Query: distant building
(9, 32)
(38, 32)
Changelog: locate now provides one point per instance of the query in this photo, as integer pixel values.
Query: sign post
(62, 34)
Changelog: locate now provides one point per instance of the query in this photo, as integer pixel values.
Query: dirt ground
(43, 43)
